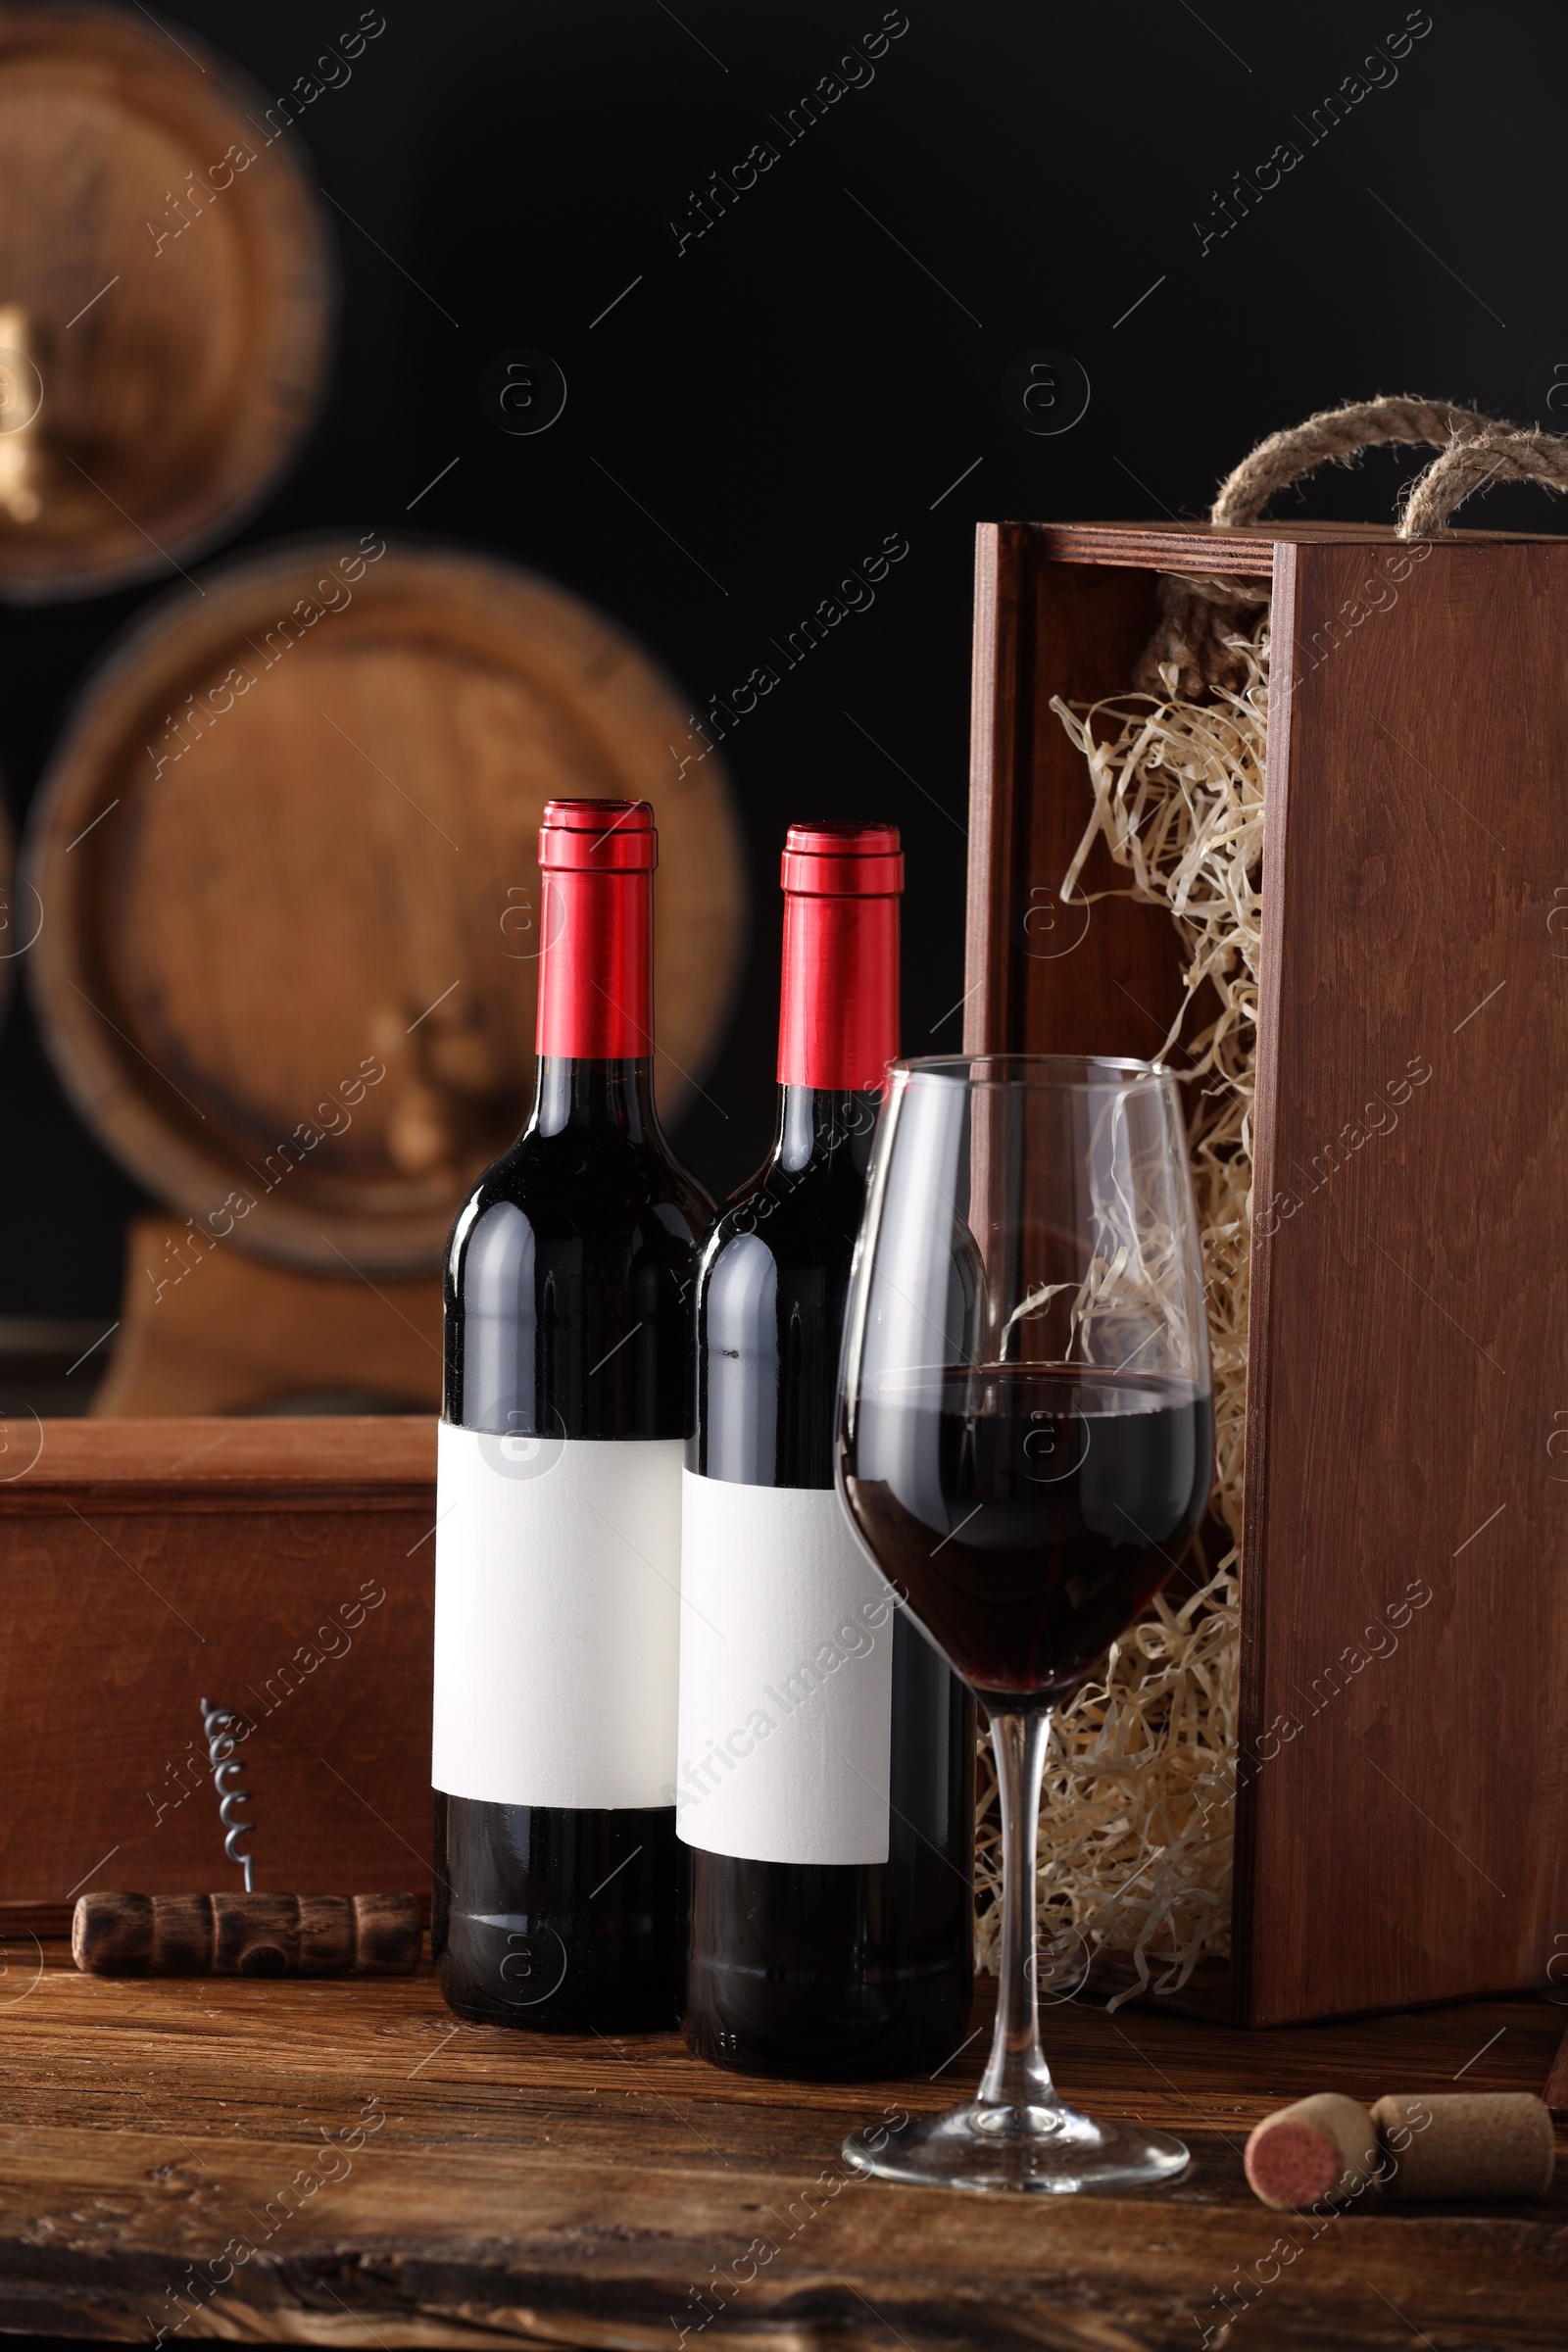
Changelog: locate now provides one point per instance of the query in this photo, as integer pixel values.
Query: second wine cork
(1489, 2144)
(1324, 2147)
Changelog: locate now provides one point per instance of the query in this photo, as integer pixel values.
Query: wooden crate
(282, 1568)
(1401, 1823)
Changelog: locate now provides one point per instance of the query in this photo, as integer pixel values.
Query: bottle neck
(610, 1096)
(825, 1129)
(596, 968)
(839, 1004)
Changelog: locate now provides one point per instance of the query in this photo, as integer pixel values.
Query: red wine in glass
(1028, 1515)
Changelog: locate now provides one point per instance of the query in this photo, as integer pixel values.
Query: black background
(804, 379)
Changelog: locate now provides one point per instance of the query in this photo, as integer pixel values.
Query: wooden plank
(1248, 1892)
(1556, 2093)
(212, 1464)
(993, 686)
(1044, 978)
(492, 2187)
(1245, 553)
(1409, 1805)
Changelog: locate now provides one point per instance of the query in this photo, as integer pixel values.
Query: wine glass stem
(1017, 2075)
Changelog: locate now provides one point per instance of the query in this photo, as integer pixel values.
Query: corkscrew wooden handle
(246, 1935)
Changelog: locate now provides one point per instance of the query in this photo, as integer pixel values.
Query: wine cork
(1323, 2149)
(115, 1935)
(1489, 2144)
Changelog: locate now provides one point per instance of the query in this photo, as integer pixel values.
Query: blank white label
(556, 1619)
(786, 1677)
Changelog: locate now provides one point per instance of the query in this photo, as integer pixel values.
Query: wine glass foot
(1046, 2150)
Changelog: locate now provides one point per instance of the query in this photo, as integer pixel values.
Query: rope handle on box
(1337, 437)
(1197, 617)
(1503, 453)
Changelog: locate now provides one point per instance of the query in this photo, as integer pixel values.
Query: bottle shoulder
(806, 1219)
(587, 1182)
(567, 1292)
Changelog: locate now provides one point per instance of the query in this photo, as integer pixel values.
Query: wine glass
(1024, 1442)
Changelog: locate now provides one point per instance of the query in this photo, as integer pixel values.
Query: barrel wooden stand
(206, 1330)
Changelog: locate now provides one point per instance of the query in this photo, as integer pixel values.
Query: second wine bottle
(826, 1783)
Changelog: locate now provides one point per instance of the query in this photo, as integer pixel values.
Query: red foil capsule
(596, 967)
(839, 1007)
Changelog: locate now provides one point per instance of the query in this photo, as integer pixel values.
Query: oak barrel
(287, 859)
(168, 288)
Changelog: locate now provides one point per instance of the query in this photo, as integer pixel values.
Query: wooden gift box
(1400, 1824)
(281, 1568)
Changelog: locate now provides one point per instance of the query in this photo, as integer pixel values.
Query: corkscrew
(218, 1723)
(247, 1935)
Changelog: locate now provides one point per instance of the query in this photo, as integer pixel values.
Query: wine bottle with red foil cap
(826, 1783)
(561, 1885)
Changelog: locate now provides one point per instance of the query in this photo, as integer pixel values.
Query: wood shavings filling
(1136, 1824)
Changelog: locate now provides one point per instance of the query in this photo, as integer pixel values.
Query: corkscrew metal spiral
(247, 1935)
(219, 1725)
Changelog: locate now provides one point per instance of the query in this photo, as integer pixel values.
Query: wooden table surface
(342, 2163)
